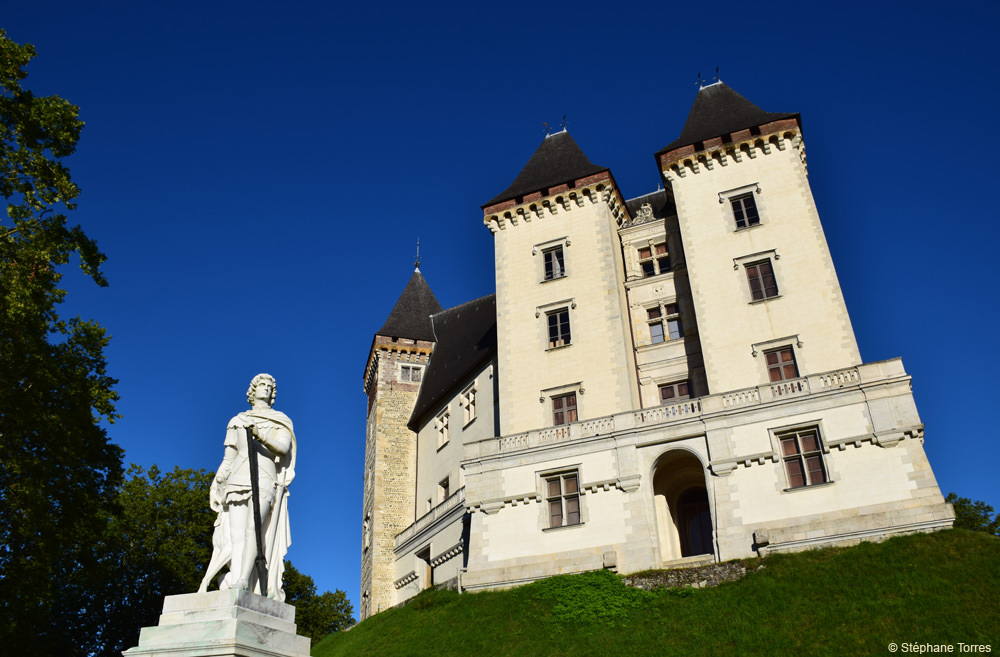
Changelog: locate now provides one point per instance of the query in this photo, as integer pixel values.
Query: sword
(260, 563)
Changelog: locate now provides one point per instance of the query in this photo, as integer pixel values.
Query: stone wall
(390, 466)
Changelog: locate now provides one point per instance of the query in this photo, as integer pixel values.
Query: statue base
(222, 624)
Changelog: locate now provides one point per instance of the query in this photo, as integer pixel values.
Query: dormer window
(654, 260)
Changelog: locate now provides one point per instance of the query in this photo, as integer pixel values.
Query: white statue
(235, 540)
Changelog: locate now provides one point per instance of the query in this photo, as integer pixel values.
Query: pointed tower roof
(411, 316)
(557, 160)
(718, 110)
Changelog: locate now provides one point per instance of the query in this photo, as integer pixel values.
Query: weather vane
(564, 122)
(416, 263)
(546, 124)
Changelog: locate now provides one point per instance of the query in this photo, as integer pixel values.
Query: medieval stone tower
(760, 270)
(395, 368)
(559, 265)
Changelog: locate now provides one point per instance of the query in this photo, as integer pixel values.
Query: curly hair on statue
(251, 391)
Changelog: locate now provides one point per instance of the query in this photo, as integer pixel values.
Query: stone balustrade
(771, 393)
(454, 500)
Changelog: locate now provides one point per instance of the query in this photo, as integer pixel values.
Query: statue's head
(257, 380)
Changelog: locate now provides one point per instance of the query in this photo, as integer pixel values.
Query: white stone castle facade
(658, 381)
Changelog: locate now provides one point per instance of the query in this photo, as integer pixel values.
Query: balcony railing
(690, 409)
(455, 499)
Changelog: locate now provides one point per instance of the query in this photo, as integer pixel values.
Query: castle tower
(767, 297)
(400, 351)
(563, 337)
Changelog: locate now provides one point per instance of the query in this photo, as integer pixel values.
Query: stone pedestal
(222, 624)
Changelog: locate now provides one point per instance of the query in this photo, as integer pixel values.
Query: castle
(667, 380)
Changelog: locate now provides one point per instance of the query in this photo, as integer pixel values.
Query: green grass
(935, 588)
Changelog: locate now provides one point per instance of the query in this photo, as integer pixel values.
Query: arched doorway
(683, 514)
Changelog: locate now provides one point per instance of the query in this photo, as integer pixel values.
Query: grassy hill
(941, 588)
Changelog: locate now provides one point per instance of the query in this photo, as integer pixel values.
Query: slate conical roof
(557, 160)
(718, 110)
(411, 316)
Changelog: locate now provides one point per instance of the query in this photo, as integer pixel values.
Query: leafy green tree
(974, 514)
(316, 615)
(58, 469)
(157, 545)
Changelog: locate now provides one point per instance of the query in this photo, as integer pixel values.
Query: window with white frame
(654, 259)
(558, 326)
(553, 263)
(564, 409)
(441, 426)
(781, 365)
(745, 210)
(664, 323)
(467, 400)
(562, 495)
(676, 391)
(802, 455)
(410, 373)
(760, 276)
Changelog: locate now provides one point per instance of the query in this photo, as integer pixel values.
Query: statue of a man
(273, 446)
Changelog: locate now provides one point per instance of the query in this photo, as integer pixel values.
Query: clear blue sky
(258, 176)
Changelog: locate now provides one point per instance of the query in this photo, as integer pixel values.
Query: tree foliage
(974, 514)
(158, 544)
(58, 470)
(316, 615)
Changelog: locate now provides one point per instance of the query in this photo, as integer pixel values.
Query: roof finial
(416, 263)
(717, 74)
(564, 123)
(701, 85)
(546, 124)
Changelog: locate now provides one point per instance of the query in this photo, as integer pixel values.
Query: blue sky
(258, 176)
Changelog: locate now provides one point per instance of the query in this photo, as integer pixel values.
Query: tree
(158, 544)
(316, 615)
(975, 515)
(58, 469)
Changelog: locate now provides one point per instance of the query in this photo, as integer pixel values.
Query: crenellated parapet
(566, 197)
(733, 148)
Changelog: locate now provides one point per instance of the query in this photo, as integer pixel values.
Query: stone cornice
(403, 346)
(720, 151)
(599, 188)
(628, 483)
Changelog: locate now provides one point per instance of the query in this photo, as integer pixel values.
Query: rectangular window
(760, 275)
(443, 490)
(410, 373)
(654, 260)
(671, 392)
(558, 328)
(441, 423)
(664, 323)
(468, 403)
(555, 266)
(781, 364)
(745, 210)
(564, 409)
(562, 493)
(802, 454)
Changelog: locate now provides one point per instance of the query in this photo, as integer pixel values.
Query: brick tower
(400, 351)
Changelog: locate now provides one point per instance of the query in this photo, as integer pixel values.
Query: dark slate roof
(411, 316)
(556, 161)
(719, 110)
(662, 202)
(466, 341)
